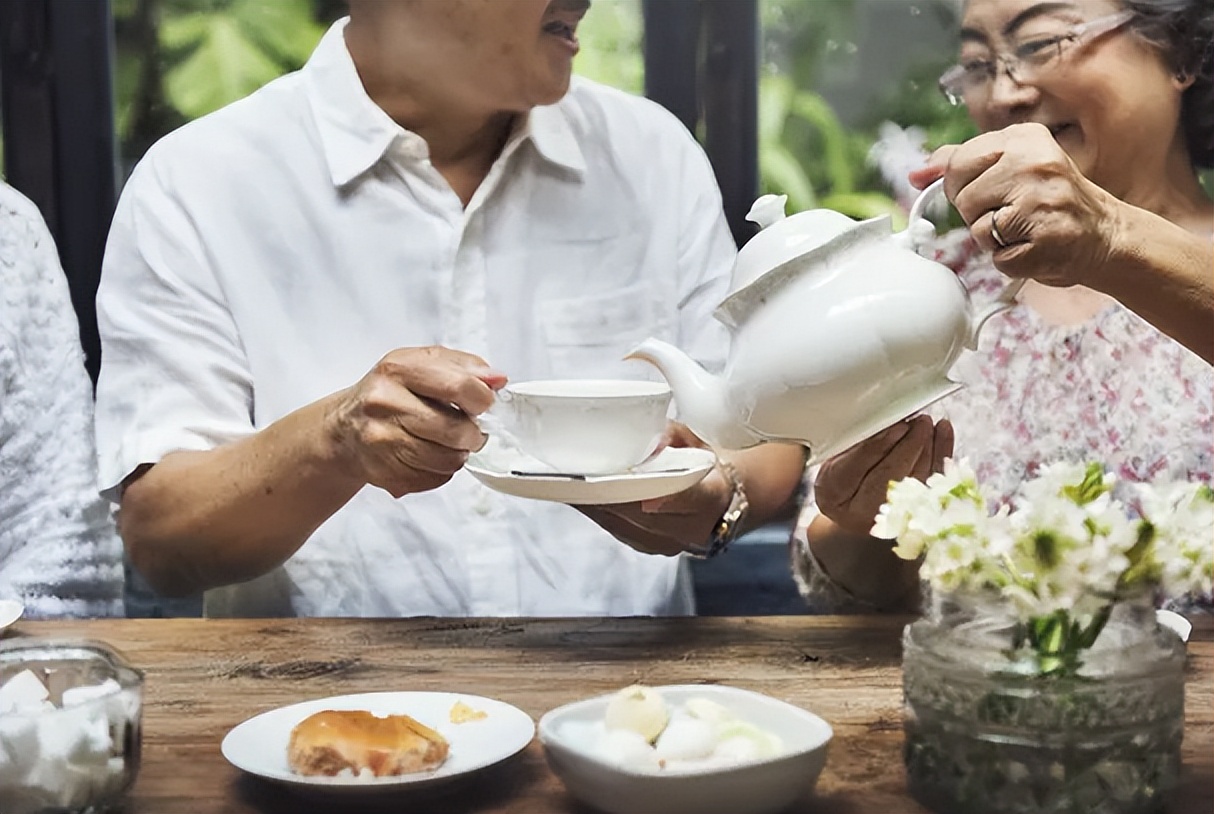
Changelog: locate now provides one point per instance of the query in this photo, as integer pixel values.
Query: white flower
(895, 153)
(1182, 517)
(1067, 546)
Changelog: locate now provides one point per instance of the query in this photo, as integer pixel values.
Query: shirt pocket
(588, 336)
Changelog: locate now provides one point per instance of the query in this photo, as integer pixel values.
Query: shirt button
(482, 506)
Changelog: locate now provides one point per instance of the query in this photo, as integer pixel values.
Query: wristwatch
(729, 526)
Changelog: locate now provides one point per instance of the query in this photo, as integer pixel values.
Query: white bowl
(761, 787)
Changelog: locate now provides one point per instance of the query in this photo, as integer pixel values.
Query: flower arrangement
(1062, 557)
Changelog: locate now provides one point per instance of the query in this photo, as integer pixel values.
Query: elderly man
(430, 180)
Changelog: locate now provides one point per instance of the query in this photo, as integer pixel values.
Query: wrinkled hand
(1058, 227)
(669, 525)
(407, 425)
(851, 486)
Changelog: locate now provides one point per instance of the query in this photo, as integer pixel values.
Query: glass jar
(75, 751)
(987, 732)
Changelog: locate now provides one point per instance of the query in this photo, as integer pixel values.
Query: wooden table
(206, 676)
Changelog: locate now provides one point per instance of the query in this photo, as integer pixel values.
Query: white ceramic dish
(10, 611)
(762, 787)
(670, 471)
(259, 745)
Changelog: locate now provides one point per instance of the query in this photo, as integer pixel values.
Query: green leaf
(815, 110)
(1045, 548)
(864, 205)
(224, 67)
(220, 52)
(1143, 568)
(1090, 488)
(775, 94)
(784, 175)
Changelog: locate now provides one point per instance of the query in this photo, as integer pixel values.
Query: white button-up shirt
(269, 254)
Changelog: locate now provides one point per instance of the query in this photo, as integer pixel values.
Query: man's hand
(851, 486)
(1057, 227)
(407, 426)
(669, 525)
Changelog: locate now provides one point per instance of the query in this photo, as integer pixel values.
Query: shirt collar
(356, 133)
(549, 129)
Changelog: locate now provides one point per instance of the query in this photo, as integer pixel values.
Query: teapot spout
(702, 399)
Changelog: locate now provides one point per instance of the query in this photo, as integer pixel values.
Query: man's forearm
(1165, 274)
(771, 475)
(865, 566)
(198, 520)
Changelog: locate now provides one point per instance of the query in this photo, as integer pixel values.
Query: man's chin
(554, 90)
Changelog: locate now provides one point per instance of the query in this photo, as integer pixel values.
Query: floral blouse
(1112, 389)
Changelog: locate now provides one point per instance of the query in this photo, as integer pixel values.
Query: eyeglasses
(971, 80)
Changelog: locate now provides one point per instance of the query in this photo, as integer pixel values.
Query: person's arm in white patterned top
(59, 553)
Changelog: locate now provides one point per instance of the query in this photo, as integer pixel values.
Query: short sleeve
(174, 375)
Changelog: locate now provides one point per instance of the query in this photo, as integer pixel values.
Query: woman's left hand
(1027, 203)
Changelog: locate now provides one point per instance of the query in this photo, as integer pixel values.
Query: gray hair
(1183, 31)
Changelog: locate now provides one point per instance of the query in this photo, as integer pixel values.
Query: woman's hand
(851, 486)
(407, 426)
(1027, 203)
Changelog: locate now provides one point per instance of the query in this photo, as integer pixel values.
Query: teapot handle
(917, 237)
(933, 190)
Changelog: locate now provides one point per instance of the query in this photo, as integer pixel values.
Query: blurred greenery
(180, 59)
(807, 151)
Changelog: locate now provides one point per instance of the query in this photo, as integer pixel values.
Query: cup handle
(918, 235)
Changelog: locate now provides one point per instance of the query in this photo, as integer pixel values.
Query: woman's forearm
(1165, 274)
(864, 566)
(198, 520)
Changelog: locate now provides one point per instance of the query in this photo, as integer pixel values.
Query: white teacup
(586, 426)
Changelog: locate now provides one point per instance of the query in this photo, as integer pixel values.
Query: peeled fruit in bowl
(639, 709)
(686, 738)
(744, 741)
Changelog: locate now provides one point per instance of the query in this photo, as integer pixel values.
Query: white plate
(10, 611)
(760, 787)
(670, 471)
(259, 745)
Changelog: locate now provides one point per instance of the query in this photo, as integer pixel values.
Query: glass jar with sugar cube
(70, 726)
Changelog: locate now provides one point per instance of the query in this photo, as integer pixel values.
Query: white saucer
(670, 471)
(10, 611)
(259, 745)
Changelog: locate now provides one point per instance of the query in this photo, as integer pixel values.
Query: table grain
(205, 676)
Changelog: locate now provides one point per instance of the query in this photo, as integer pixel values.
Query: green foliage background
(180, 59)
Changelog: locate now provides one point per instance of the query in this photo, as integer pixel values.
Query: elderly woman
(1097, 115)
(59, 552)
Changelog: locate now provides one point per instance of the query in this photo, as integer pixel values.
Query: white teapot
(839, 330)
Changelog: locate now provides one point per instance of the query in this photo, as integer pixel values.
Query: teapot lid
(766, 263)
(783, 238)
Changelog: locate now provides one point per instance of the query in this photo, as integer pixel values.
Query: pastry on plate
(333, 741)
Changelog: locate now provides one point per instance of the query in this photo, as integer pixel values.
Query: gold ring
(995, 235)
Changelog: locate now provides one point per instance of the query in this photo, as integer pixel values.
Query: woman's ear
(1183, 80)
